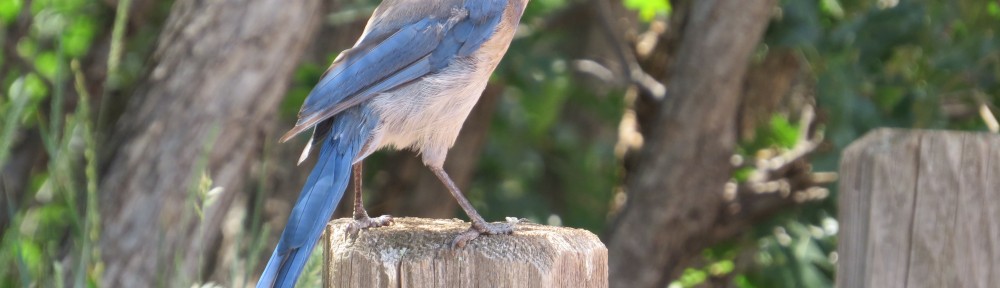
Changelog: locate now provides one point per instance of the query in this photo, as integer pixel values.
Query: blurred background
(699, 139)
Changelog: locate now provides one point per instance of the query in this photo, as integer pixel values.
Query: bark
(646, 106)
(676, 192)
(219, 71)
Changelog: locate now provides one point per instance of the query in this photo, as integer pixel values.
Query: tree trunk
(217, 76)
(676, 193)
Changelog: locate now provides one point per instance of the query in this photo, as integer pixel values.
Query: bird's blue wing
(397, 48)
(467, 36)
(484, 16)
(392, 62)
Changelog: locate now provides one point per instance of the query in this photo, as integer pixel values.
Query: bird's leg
(479, 226)
(361, 219)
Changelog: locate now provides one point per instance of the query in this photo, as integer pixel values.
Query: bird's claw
(504, 228)
(364, 223)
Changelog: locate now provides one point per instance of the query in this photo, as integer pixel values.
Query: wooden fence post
(920, 209)
(416, 252)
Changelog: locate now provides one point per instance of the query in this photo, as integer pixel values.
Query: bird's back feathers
(404, 40)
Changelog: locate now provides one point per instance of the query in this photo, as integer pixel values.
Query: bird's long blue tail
(342, 142)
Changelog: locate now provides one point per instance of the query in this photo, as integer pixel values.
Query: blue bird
(409, 82)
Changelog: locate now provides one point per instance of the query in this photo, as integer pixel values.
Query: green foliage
(876, 64)
(9, 10)
(896, 65)
(13, 110)
(795, 253)
(38, 229)
(58, 211)
(76, 40)
(648, 9)
(538, 8)
(779, 133)
(719, 263)
(306, 76)
(312, 274)
(90, 255)
(549, 154)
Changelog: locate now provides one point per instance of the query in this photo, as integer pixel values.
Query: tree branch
(688, 153)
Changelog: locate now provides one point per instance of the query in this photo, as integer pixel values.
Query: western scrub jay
(409, 82)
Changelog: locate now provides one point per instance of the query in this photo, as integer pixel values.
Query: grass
(90, 253)
(53, 239)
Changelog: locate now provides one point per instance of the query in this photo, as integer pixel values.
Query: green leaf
(783, 133)
(993, 9)
(742, 174)
(32, 254)
(9, 10)
(78, 37)
(692, 277)
(35, 86)
(649, 8)
(832, 8)
(47, 64)
(26, 48)
(721, 268)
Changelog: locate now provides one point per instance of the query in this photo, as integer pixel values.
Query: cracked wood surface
(416, 252)
(919, 209)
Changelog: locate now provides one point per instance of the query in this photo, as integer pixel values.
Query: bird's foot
(362, 223)
(477, 229)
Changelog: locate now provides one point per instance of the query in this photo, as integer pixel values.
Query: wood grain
(918, 209)
(416, 252)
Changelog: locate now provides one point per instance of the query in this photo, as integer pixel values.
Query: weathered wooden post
(416, 252)
(920, 209)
